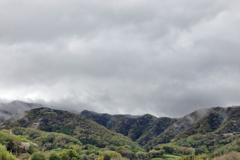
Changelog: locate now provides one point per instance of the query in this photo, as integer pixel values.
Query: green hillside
(85, 130)
(139, 128)
(208, 123)
(159, 126)
(203, 134)
(177, 127)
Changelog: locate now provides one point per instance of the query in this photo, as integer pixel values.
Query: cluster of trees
(68, 154)
(211, 143)
(75, 150)
(174, 149)
(47, 140)
(149, 155)
(5, 155)
(13, 143)
(66, 147)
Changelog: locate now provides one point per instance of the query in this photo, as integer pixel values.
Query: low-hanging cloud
(166, 58)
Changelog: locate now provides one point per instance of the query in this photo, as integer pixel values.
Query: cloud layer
(166, 58)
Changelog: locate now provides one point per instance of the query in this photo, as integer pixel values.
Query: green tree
(65, 157)
(157, 154)
(106, 157)
(31, 149)
(38, 156)
(69, 154)
(143, 155)
(5, 155)
(54, 156)
(201, 150)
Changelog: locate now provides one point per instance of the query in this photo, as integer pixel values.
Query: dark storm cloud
(161, 57)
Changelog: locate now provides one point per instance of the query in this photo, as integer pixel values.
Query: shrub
(111, 154)
(38, 156)
(69, 154)
(196, 157)
(201, 150)
(157, 154)
(143, 156)
(106, 157)
(125, 152)
(54, 156)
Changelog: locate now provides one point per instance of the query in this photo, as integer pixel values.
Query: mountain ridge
(59, 121)
(214, 131)
(135, 127)
(148, 130)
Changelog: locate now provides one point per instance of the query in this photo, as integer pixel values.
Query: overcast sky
(163, 57)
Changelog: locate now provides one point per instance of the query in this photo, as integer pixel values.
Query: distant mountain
(145, 130)
(148, 130)
(159, 126)
(138, 128)
(16, 107)
(216, 120)
(85, 130)
(179, 126)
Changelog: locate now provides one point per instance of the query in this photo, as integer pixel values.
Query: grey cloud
(43, 21)
(158, 57)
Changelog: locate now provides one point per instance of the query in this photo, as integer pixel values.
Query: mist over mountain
(8, 110)
(145, 129)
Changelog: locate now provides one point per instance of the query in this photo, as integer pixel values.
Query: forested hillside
(87, 131)
(49, 133)
(139, 128)
(204, 130)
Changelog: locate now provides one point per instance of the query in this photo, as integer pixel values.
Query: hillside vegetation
(139, 128)
(85, 130)
(45, 133)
